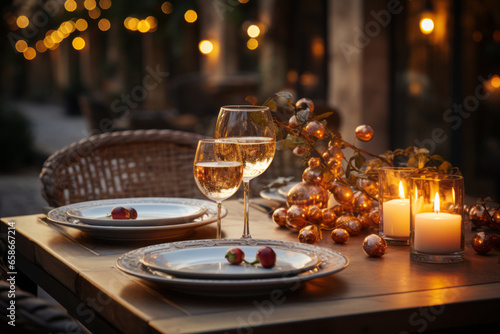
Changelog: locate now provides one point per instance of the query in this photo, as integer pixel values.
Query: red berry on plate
(267, 257)
(119, 212)
(235, 255)
(132, 211)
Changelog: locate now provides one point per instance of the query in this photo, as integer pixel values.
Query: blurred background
(420, 72)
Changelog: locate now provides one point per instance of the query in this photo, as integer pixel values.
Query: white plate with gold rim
(210, 262)
(331, 262)
(59, 216)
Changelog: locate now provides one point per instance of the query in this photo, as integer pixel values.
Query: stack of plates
(157, 217)
(199, 266)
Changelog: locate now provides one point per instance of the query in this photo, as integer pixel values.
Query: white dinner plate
(209, 262)
(147, 214)
(164, 232)
(331, 262)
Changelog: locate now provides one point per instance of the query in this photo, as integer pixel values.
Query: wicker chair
(138, 163)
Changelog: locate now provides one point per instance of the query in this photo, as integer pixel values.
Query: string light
(21, 45)
(190, 16)
(104, 24)
(78, 43)
(253, 31)
(252, 44)
(29, 53)
(167, 7)
(22, 21)
(206, 47)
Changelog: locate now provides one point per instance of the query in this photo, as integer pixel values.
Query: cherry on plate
(119, 212)
(132, 211)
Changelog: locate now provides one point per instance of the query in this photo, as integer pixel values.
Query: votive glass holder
(437, 224)
(394, 204)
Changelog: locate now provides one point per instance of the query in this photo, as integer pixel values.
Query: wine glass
(218, 171)
(253, 128)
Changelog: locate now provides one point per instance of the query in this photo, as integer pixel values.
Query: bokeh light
(81, 24)
(252, 44)
(89, 4)
(243, 1)
(426, 26)
(70, 5)
(495, 81)
(40, 46)
(143, 26)
(21, 45)
(29, 53)
(22, 21)
(95, 13)
(152, 21)
(190, 16)
(206, 47)
(104, 24)
(167, 7)
(78, 43)
(131, 23)
(253, 31)
(105, 4)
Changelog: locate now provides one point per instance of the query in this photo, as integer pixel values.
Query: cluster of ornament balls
(484, 217)
(308, 211)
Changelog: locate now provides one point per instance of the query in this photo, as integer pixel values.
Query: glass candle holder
(394, 204)
(437, 225)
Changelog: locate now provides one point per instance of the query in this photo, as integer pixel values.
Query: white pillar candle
(437, 233)
(396, 218)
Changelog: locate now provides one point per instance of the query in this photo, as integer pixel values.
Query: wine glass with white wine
(253, 128)
(218, 171)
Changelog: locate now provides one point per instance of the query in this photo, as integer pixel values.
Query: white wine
(218, 180)
(257, 154)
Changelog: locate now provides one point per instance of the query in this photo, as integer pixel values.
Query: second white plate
(148, 214)
(209, 262)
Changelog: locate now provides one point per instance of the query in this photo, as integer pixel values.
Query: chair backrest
(138, 163)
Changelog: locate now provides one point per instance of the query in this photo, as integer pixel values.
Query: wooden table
(372, 295)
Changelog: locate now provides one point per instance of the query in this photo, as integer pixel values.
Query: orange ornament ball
(306, 194)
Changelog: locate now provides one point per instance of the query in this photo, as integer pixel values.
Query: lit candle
(437, 232)
(396, 216)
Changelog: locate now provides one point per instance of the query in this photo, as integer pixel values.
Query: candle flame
(401, 190)
(436, 203)
(453, 194)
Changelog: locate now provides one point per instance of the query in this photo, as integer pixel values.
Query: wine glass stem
(246, 227)
(219, 229)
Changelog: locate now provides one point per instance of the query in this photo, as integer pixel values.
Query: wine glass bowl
(253, 128)
(218, 171)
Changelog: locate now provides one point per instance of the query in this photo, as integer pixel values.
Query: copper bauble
(338, 210)
(314, 162)
(342, 193)
(308, 194)
(313, 175)
(374, 245)
(482, 242)
(314, 214)
(375, 217)
(363, 203)
(299, 150)
(353, 226)
(340, 235)
(296, 218)
(294, 122)
(365, 220)
(364, 132)
(335, 153)
(309, 234)
(315, 129)
(336, 142)
(479, 216)
(279, 216)
(305, 103)
(496, 219)
(327, 179)
(328, 218)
